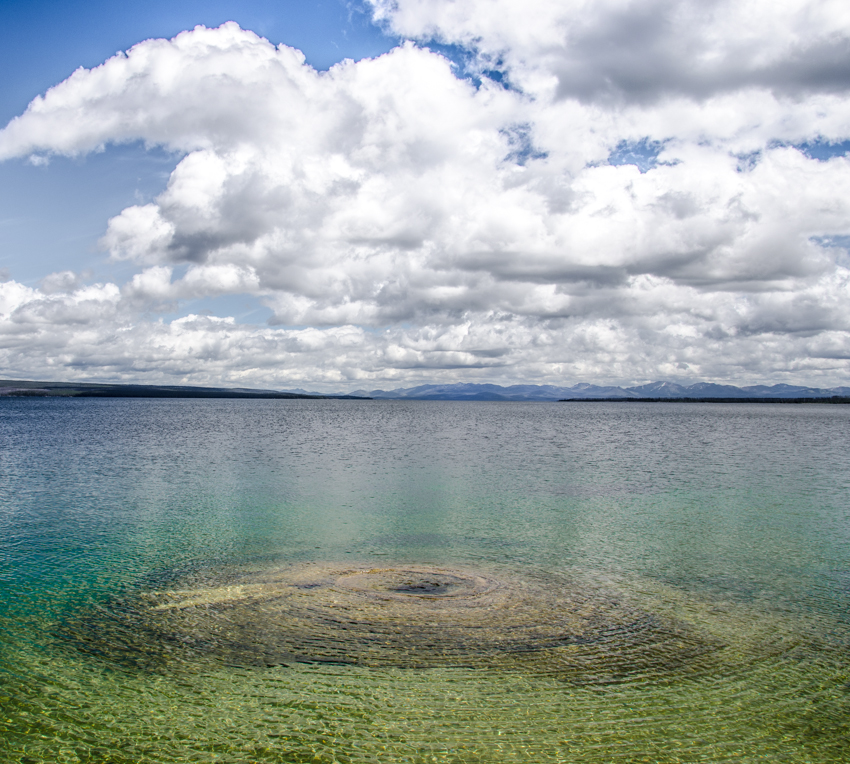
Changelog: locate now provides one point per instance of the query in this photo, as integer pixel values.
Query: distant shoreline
(831, 399)
(10, 388)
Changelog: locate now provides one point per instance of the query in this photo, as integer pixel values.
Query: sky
(362, 194)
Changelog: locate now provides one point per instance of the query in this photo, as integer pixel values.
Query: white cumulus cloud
(606, 191)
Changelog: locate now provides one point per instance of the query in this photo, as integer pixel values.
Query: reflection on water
(319, 581)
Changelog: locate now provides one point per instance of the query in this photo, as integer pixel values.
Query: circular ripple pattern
(400, 616)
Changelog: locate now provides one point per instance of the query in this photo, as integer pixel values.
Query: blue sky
(550, 192)
(45, 221)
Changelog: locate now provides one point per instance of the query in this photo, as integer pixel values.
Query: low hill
(26, 388)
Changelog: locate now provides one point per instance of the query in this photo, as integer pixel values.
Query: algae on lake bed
(332, 662)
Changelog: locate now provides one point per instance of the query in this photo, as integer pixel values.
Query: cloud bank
(602, 191)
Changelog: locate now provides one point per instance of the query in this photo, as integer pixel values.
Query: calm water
(184, 581)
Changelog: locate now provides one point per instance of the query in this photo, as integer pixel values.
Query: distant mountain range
(583, 390)
(456, 392)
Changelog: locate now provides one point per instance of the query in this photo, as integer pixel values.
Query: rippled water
(320, 581)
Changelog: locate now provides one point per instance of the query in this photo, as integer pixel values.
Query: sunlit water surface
(320, 581)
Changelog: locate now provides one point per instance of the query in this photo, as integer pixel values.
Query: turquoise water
(183, 580)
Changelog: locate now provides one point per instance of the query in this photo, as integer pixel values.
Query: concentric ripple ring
(405, 616)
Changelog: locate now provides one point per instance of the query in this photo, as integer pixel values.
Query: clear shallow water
(675, 581)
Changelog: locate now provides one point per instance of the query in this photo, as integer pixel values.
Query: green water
(725, 527)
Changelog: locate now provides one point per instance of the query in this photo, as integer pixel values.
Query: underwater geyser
(405, 616)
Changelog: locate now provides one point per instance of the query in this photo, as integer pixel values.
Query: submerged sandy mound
(407, 616)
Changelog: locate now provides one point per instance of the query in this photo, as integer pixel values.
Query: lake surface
(393, 581)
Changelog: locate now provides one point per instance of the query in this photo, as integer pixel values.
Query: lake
(412, 581)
